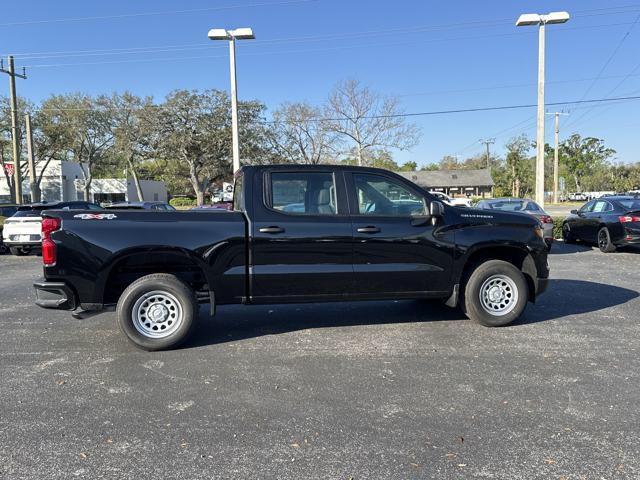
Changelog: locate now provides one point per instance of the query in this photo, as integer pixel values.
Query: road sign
(8, 168)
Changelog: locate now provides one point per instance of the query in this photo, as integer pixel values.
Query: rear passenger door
(301, 242)
(594, 219)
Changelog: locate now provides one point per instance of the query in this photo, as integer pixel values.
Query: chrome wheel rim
(498, 295)
(157, 314)
(602, 239)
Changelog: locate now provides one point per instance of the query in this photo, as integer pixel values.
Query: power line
(148, 14)
(611, 57)
(288, 52)
(290, 40)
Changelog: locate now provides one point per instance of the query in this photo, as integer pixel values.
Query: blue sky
(435, 55)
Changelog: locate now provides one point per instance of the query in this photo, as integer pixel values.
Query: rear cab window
(302, 193)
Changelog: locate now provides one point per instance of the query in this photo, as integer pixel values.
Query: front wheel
(495, 294)
(604, 241)
(567, 236)
(157, 312)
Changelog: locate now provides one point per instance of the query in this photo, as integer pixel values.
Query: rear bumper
(57, 295)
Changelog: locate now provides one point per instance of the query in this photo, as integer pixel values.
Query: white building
(63, 181)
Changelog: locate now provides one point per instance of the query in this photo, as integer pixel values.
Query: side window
(93, 206)
(602, 206)
(586, 208)
(307, 193)
(378, 195)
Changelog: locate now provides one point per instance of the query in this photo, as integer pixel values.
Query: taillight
(628, 219)
(546, 219)
(49, 225)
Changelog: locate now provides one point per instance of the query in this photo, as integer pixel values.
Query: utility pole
(555, 155)
(33, 185)
(487, 142)
(17, 176)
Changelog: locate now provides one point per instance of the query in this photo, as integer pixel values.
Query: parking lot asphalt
(354, 390)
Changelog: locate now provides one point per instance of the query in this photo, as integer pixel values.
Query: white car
(455, 202)
(21, 232)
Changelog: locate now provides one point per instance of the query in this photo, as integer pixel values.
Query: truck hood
(496, 217)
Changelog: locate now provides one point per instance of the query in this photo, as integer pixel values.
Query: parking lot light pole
(231, 36)
(529, 19)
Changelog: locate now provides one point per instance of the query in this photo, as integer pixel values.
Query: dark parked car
(355, 234)
(610, 222)
(156, 206)
(522, 205)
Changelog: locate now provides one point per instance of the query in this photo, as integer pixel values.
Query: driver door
(394, 254)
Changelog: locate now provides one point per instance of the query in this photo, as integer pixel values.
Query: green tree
(583, 156)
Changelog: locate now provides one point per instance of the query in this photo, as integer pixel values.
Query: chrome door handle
(272, 229)
(369, 229)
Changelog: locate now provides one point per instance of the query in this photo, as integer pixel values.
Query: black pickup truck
(296, 234)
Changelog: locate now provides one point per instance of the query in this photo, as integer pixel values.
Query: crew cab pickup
(295, 234)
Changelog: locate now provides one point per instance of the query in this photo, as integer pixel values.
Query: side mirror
(436, 209)
(574, 212)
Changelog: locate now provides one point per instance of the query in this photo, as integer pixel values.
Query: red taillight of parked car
(49, 225)
(546, 219)
(629, 218)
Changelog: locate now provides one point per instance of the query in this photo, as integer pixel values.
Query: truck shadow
(561, 248)
(564, 299)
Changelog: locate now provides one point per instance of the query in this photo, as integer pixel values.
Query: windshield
(515, 206)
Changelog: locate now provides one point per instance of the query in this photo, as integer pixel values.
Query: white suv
(21, 232)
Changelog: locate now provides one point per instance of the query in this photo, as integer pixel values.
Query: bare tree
(368, 120)
(300, 136)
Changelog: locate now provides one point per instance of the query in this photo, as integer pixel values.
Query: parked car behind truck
(525, 206)
(21, 232)
(355, 234)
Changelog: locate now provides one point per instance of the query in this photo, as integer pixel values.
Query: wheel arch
(132, 264)
(518, 256)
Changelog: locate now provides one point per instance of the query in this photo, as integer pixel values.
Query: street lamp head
(527, 19)
(242, 33)
(238, 33)
(556, 17)
(535, 19)
(218, 34)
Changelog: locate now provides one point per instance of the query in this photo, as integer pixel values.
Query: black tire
(18, 251)
(510, 287)
(604, 241)
(567, 236)
(159, 292)
(3, 249)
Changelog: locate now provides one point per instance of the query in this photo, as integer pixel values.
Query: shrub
(557, 227)
(182, 202)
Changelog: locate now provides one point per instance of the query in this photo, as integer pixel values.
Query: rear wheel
(495, 294)
(567, 236)
(604, 241)
(157, 312)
